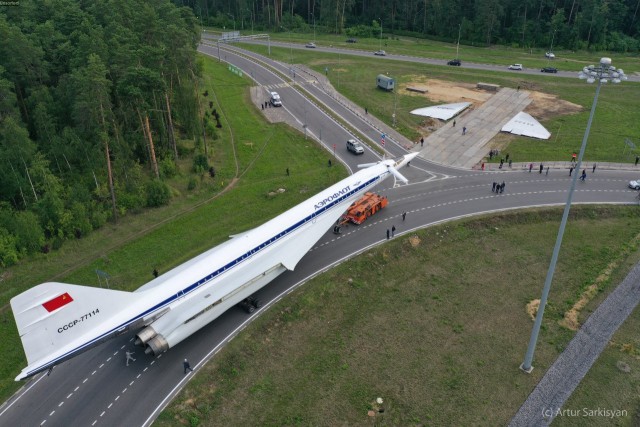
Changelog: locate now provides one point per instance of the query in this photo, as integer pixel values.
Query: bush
(158, 194)
(168, 168)
(8, 253)
(200, 163)
(192, 183)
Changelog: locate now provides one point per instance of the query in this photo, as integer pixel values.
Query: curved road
(96, 388)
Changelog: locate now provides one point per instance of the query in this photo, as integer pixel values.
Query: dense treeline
(571, 24)
(91, 94)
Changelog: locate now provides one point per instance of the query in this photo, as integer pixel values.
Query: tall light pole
(314, 27)
(380, 33)
(290, 44)
(602, 73)
(458, 45)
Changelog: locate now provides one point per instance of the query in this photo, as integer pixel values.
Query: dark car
(455, 62)
(352, 40)
(549, 70)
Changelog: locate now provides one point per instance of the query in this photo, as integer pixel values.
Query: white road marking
(110, 405)
(85, 380)
(131, 383)
(138, 376)
(100, 366)
(152, 362)
(124, 391)
(102, 413)
(145, 369)
(52, 412)
(76, 389)
(120, 349)
(108, 359)
(117, 397)
(43, 422)
(93, 373)
(70, 394)
(60, 404)
(94, 423)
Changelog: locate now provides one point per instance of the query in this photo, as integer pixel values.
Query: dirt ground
(542, 107)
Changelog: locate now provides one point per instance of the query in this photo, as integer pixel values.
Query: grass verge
(614, 121)
(434, 323)
(195, 221)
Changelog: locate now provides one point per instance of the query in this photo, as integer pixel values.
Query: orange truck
(362, 209)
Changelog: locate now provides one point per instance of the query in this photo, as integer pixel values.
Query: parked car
(517, 67)
(549, 70)
(355, 147)
(352, 40)
(550, 55)
(455, 62)
(275, 99)
(634, 184)
(310, 45)
(380, 53)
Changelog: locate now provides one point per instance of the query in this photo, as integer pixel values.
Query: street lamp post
(234, 21)
(602, 73)
(380, 33)
(314, 27)
(290, 44)
(458, 45)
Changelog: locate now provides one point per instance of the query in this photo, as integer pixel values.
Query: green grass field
(615, 118)
(434, 323)
(166, 237)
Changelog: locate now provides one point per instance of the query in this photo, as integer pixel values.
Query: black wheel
(255, 302)
(247, 306)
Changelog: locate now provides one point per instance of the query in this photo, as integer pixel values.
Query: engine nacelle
(145, 335)
(156, 345)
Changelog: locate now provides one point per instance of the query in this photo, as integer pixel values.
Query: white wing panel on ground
(525, 125)
(442, 112)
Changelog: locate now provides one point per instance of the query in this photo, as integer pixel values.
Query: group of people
(497, 187)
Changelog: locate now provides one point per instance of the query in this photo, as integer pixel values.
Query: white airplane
(57, 321)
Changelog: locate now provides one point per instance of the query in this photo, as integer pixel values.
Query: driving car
(355, 147)
(634, 184)
(310, 45)
(455, 62)
(517, 67)
(380, 53)
(549, 70)
(550, 55)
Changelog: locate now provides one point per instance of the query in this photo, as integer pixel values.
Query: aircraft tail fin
(57, 321)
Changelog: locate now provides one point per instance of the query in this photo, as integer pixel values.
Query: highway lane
(390, 56)
(97, 388)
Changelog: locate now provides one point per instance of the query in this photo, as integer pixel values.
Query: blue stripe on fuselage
(214, 274)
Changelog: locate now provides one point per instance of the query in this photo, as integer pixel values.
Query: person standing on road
(510, 161)
(464, 130)
(570, 170)
(422, 142)
(454, 125)
(541, 167)
(404, 215)
(530, 167)
(129, 355)
(388, 233)
(547, 173)
(393, 230)
(186, 366)
(493, 189)
(584, 175)
(594, 168)
(482, 166)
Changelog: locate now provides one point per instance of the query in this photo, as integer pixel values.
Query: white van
(275, 99)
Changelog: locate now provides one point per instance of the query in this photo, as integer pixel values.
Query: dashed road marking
(70, 394)
(93, 373)
(76, 389)
(102, 413)
(100, 366)
(60, 404)
(85, 380)
(52, 412)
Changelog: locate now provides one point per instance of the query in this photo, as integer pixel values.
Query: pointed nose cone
(406, 159)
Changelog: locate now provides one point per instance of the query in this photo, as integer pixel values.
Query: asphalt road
(96, 388)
